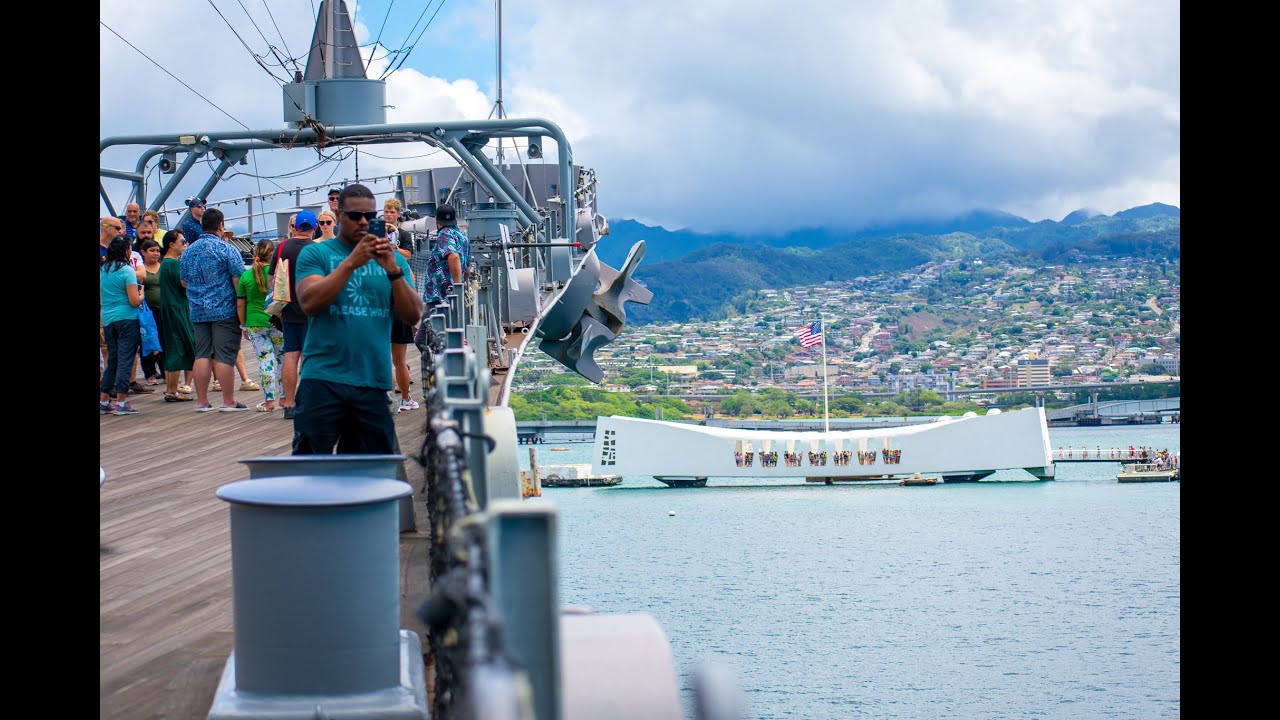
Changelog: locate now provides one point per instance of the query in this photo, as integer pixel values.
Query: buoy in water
(671, 513)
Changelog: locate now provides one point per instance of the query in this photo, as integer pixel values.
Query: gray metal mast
(502, 111)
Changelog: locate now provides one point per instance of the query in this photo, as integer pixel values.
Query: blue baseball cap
(306, 220)
(194, 201)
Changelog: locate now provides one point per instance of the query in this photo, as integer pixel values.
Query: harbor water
(1005, 598)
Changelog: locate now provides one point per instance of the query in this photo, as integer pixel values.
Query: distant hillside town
(944, 325)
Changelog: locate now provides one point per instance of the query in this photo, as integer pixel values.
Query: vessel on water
(575, 475)
(917, 480)
(959, 449)
(1147, 472)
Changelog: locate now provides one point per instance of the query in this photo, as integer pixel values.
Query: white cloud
(705, 114)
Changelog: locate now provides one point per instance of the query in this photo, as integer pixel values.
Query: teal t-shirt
(255, 299)
(113, 287)
(351, 342)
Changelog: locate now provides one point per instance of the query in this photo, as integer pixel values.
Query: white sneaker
(409, 404)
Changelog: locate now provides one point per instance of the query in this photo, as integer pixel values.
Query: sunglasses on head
(355, 215)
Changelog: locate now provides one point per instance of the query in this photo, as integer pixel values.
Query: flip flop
(262, 407)
(177, 397)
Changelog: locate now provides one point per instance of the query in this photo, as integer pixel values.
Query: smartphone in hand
(378, 228)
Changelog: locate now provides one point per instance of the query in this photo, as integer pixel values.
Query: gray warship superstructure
(498, 639)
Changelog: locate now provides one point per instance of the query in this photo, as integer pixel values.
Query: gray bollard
(316, 591)
(366, 466)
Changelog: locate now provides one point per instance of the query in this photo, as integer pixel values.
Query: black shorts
(356, 420)
(401, 333)
(295, 336)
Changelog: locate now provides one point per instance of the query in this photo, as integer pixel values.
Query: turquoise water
(1005, 598)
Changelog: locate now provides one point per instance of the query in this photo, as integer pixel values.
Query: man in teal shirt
(349, 286)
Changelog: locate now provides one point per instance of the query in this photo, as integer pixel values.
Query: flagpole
(826, 410)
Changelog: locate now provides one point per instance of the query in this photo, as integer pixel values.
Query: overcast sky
(718, 114)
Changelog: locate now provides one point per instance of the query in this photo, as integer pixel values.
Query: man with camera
(350, 286)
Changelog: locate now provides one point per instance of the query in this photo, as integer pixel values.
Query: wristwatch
(395, 275)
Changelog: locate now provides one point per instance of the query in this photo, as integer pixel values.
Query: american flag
(810, 334)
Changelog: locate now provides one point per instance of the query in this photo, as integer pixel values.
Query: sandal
(184, 389)
(177, 397)
(262, 407)
(249, 385)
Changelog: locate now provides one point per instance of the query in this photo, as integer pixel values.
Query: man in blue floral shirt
(450, 255)
(211, 268)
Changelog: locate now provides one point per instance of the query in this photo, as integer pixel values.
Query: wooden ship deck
(165, 619)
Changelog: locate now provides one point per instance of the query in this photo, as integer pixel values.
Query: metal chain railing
(474, 676)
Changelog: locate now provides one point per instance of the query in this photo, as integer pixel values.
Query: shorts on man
(401, 332)
(218, 339)
(366, 427)
(295, 335)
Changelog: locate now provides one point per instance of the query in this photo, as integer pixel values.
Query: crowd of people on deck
(891, 457)
(328, 359)
(816, 458)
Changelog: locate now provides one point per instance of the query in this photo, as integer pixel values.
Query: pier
(1100, 454)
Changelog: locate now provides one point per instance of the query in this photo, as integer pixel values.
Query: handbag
(147, 327)
(279, 296)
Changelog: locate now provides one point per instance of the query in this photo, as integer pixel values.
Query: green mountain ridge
(711, 283)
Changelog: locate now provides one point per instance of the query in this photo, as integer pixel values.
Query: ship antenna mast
(497, 106)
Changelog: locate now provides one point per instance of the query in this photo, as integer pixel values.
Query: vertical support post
(249, 201)
(523, 576)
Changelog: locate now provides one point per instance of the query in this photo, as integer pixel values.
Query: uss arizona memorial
(957, 448)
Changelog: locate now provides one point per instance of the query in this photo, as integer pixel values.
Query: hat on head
(446, 215)
(306, 220)
(335, 191)
(194, 201)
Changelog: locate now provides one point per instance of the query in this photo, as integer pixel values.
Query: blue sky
(724, 114)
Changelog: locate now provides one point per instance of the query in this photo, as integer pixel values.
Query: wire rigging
(175, 77)
(379, 38)
(283, 41)
(256, 58)
(409, 50)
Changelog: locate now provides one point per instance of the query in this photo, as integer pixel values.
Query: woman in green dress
(149, 276)
(178, 338)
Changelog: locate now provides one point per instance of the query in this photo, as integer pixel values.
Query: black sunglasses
(355, 215)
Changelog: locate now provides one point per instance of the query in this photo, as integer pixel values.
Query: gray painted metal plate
(313, 491)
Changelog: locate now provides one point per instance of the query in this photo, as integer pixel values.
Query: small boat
(559, 449)
(1147, 472)
(917, 479)
(574, 475)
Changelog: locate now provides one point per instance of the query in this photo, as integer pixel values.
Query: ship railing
(1099, 453)
(474, 666)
